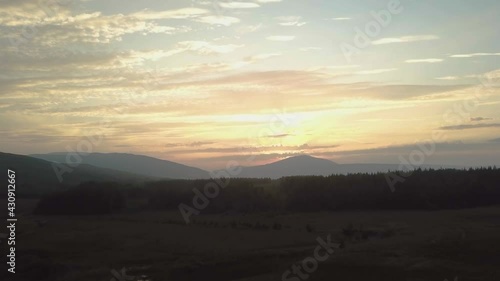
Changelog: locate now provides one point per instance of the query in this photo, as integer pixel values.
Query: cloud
(275, 136)
(376, 71)
(245, 150)
(474, 55)
(445, 153)
(448, 78)
(473, 126)
(478, 119)
(70, 85)
(200, 143)
(184, 13)
(218, 20)
(405, 39)
(238, 5)
(260, 57)
(341, 18)
(280, 38)
(60, 26)
(402, 92)
(489, 79)
(228, 95)
(206, 48)
(314, 147)
(96, 28)
(495, 140)
(288, 18)
(30, 13)
(64, 61)
(423, 60)
(249, 28)
(291, 21)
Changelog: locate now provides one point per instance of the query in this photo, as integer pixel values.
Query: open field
(377, 245)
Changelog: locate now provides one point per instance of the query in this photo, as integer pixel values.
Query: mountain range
(37, 176)
(152, 167)
(37, 172)
(307, 165)
(131, 163)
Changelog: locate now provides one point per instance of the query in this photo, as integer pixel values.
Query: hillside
(131, 163)
(36, 176)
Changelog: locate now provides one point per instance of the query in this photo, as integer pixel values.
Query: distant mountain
(305, 165)
(137, 164)
(36, 176)
(293, 166)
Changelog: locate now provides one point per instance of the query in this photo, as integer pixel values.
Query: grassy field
(378, 245)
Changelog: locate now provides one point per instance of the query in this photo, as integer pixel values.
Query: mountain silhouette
(305, 165)
(137, 164)
(37, 176)
(294, 166)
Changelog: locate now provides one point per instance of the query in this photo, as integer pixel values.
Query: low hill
(137, 164)
(36, 176)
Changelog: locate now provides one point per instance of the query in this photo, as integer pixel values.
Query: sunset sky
(204, 82)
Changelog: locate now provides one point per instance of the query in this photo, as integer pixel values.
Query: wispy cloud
(376, 71)
(262, 57)
(218, 20)
(243, 29)
(69, 27)
(423, 60)
(184, 13)
(405, 39)
(470, 126)
(450, 78)
(478, 119)
(238, 5)
(206, 48)
(474, 55)
(291, 21)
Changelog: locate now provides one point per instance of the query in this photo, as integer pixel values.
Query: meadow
(159, 245)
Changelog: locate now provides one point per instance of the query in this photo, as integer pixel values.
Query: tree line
(423, 190)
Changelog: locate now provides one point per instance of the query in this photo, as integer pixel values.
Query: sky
(205, 82)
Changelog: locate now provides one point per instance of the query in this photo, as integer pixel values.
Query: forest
(422, 190)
